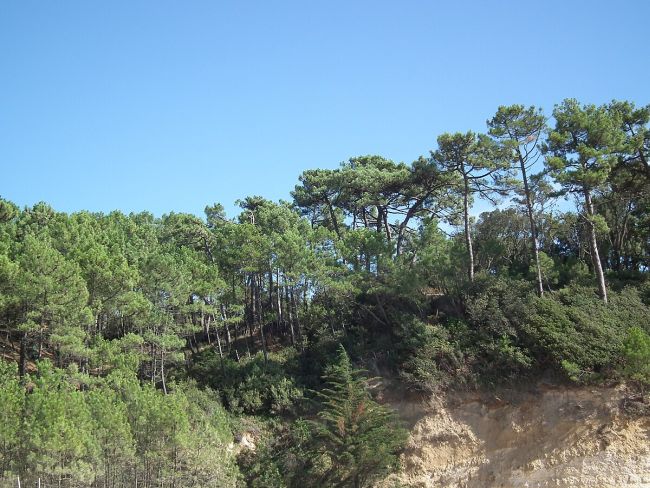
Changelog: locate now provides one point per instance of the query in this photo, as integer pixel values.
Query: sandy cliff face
(546, 437)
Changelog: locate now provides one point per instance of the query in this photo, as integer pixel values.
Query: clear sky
(169, 106)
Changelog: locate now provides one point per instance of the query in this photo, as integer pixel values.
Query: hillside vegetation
(144, 349)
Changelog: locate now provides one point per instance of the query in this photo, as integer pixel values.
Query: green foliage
(383, 257)
(12, 398)
(583, 145)
(252, 385)
(577, 333)
(357, 440)
(441, 259)
(428, 359)
(269, 466)
(58, 430)
(510, 333)
(494, 339)
(112, 433)
(636, 353)
(123, 353)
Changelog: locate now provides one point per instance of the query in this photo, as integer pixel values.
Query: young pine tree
(356, 439)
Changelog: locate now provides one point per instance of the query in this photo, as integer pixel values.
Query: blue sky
(169, 106)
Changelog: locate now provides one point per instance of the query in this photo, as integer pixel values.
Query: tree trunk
(380, 218)
(402, 227)
(224, 318)
(533, 226)
(253, 312)
(593, 244)
(278, 299)
(152, 352)
(389, 234)
(219, 347)
(22, 365)
(335, 222)
(468, 235)
(260, 315)
(206, 326)
(290, 317)
(162, 371)
(294, 303)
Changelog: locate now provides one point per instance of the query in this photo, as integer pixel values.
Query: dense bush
(496, 309)
(353, 442)
(636, 354)
(482, 343)
(428, 359)
(252, 385)
(356, 440)
(575, 332)
(507, 333)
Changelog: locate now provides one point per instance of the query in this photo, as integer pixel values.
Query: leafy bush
(636, 352)
(252, 385)
(575, 332)
(493, 337)
(428, 360)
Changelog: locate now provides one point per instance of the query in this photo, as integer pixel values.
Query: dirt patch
(547, 436)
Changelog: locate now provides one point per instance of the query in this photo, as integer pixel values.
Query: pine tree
(518, 130)
(582, 151)
(483, 169)
(357, 439)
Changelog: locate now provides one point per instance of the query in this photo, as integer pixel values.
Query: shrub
(636, 352)
(428, 360)
(252, 385)
(493, 338)
(575, 332)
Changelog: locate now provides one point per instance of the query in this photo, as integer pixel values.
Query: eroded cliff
(547, 436)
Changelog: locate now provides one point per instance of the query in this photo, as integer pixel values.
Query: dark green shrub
(636, 353)
(493, 338)
(252, 385)
(575, 332)
(427, 359)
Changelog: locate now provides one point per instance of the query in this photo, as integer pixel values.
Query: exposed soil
(547, 436)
